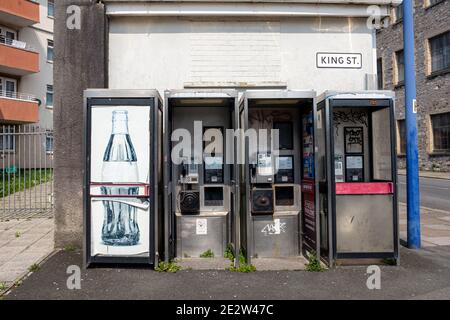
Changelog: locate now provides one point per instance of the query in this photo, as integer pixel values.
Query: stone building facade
(432, 22)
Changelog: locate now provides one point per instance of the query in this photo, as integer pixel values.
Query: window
(400, 60)
(7, 35)
(51, 8)
(8, 87)
(380, 73)
(7, 138)
(440, 52)
(441, 132)
(402, 136)
(399, 13)
(49, 97)
(50, 50)
(49, 142)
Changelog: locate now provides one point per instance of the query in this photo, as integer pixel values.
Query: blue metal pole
(412, 162)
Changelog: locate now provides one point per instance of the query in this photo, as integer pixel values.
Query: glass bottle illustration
(120, 226)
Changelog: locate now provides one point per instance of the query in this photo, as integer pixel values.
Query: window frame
(3, 92)
(396, 10)
(434, 150)
(49, 137)
(432, 73)
(50, 45)
(11, 130)
(380, 73)
(52, 2)
(47, 92)
(401, 139)
(397, 81)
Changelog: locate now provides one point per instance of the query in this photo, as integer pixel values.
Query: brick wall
(433, 93)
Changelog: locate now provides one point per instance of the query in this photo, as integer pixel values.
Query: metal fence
(26, 172)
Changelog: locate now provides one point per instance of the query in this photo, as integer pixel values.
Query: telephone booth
(278, 181)
(200, 177)
(122, 185)
(357, 176)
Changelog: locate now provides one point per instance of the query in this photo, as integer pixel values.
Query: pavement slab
(23, 243)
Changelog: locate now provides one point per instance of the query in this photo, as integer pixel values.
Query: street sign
(339, 60)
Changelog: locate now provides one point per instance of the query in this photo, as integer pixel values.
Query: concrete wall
(79, 64)
(173, 53)
(433, 94)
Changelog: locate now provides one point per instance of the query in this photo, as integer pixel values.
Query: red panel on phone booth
(365, 188)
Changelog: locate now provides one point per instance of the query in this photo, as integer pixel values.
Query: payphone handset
(188, 172)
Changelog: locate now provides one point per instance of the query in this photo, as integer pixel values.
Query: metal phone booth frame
(357, 176)
(144, 111)
(292, 228)
(181, 233)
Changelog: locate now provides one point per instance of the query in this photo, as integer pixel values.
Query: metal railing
(26, 172)
(16, 44)
(18, 95)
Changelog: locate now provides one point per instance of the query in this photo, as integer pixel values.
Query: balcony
(18, 108)
(17, 58)
(19, 13)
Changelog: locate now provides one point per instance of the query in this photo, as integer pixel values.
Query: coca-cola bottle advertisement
(119, 178)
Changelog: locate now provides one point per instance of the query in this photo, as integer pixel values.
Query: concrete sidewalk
(423, 274)
(23, 243)
(435, 226)
(428, 174)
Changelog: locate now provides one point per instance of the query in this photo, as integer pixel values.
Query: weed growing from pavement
(207, 254)
(70, 248)
(34, 267)
(389, 262)
(17, 234)
(2, 286)
(229, 252)
(313, 264)
(167, 267)
(243, 265)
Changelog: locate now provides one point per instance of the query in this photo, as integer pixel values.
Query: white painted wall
(172, 53)
(36, 84)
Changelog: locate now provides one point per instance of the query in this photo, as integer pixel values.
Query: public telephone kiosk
(357, 175)
(122, 188)
(200, 194)
(278, 218)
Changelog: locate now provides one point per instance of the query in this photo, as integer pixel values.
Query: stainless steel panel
(191, 244)
(364, 223)
(270, 242)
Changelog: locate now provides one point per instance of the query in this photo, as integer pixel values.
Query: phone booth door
(313, 153)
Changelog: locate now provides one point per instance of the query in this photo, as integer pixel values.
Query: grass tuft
(167, 267)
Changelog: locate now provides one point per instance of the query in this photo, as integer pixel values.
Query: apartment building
(26, 77)
(432, 40)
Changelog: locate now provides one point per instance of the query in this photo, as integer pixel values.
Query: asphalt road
(434, 193)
